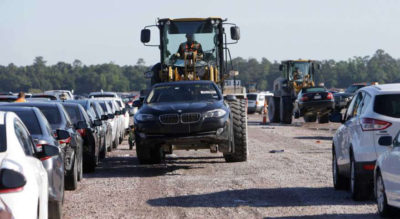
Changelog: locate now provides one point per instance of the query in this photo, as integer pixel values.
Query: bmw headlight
(215, 113)
(144, 117)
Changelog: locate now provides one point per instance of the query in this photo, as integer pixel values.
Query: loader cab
(299, 73)
(209, 33)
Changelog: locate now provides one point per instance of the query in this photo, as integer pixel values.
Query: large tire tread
(239, 117)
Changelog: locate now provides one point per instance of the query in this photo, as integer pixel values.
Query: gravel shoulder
(296, 183)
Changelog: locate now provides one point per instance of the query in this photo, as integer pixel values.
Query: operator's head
(21, 95)
(189, 37)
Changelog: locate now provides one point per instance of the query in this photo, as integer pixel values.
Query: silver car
(387, 176)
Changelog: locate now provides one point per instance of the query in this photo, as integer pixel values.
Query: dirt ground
(295, 183)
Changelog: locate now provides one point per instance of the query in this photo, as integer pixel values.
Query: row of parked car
(46, 146)
(366, 147)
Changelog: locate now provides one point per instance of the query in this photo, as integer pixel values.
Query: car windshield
(51, 113)
(203, 32)
(388, 105)
(183, 93)
(354, 88)
(251, 96)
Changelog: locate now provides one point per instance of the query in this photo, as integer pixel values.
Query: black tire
(358, 191)
(91, 163)
(115, 142)
(148, 154)
(71, 178)
(323, 119)
(80, 170)
(55, 210)
(131, 143)
(339, 182)
(286, 110)
(384, 209)
(296, 114)
(110, 148)
(121, 138)
(239, 117)
(310, 118)
(273, 109)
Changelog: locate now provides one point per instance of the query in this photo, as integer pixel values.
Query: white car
(372, 113)
(387, 176)
(256, 101)
(26, 194)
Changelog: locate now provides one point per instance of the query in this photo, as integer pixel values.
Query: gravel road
(296, 183)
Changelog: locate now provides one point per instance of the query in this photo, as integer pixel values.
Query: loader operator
(189, 46)
(297, 74)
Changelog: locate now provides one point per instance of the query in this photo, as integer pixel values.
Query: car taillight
(368, 124)
(82, 132)
(45, 158)
(65, 141)
(304, 98)
(329, 96)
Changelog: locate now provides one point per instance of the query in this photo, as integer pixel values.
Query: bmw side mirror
(235, 33)
(11, 179)
(145, 35)
(62, 134)
(230, 97)
(137, 103)
(385, 140)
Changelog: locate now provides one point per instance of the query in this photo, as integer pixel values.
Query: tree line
(379, 67)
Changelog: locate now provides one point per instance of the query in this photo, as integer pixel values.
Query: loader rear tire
(273, 109)
(286, 108)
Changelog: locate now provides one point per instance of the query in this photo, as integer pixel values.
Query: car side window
(47, 125)
(94, 112)
(23, 138)
(352, 109)
(357, 104)
(364, 104)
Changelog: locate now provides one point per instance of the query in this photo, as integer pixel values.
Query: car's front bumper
(206, 131)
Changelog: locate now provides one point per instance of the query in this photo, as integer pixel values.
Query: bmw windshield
(183, 93)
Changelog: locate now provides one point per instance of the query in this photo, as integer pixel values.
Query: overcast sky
(102, 31)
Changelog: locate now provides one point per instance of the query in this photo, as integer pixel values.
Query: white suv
(373, 113)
